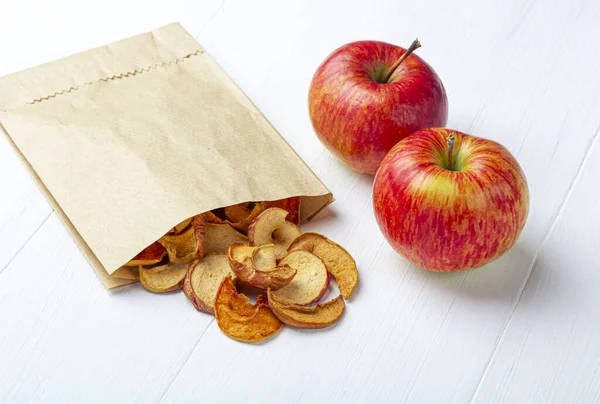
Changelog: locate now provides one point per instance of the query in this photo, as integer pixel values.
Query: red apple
(448, 201)
(368, 95)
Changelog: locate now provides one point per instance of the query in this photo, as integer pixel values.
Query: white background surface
(524, 329)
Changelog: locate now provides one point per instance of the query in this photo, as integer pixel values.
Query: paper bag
(129, 139)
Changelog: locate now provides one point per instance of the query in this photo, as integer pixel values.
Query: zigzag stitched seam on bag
(116, 77)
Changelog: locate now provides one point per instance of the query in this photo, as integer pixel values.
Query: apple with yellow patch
(448, 201)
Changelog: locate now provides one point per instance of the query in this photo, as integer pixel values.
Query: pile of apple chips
(258, 244)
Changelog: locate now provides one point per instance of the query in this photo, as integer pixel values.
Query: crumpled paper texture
(129, 139)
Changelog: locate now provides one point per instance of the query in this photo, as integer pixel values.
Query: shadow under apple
(500, 280)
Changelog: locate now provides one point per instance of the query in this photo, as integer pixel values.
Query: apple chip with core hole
(218, 238)
(337, 260)
(181, 226)
(241, 320)
(153, 254)
(283, 236)
(311, 280)
(203, 279)
(291, 205)
(270, 227)
(186, 246)
(245, 262)
(261, 229)
(319, 316)
(167, 279)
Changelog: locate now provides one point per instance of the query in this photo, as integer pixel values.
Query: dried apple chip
(291, 205)
(319, 316)
(270, 227)
(264, 258)
(337, 260)
(237, 213)
(158, 267)
(210, 217)
(241, 320)
(180, 227)
(168, 279)
(218, 238)
(261, 229)
(311, 280)
(153, 254)
(243, 260)
(283, 236)
(186, 246)
(255, 210)
(203, 279)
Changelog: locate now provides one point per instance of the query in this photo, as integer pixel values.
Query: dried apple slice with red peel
(337, 260)
(319, 316)
(261, 229)
(311, 280)
(218, 238)
(291, 205)
(153, 254)
(203, 278)
(283, 236)
(270, 227)
(168, 279)
(243, 259)
(186, 246)
(241, 320)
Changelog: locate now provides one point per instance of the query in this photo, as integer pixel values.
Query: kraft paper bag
(129, 139)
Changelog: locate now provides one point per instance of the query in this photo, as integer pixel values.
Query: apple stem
(451, 139)
(413, 46)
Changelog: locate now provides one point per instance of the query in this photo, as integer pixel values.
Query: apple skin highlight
(450, 215)
(358, 118)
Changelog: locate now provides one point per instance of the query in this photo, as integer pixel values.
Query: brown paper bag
(129, 139)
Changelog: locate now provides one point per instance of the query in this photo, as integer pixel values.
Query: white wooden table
(524, 329)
